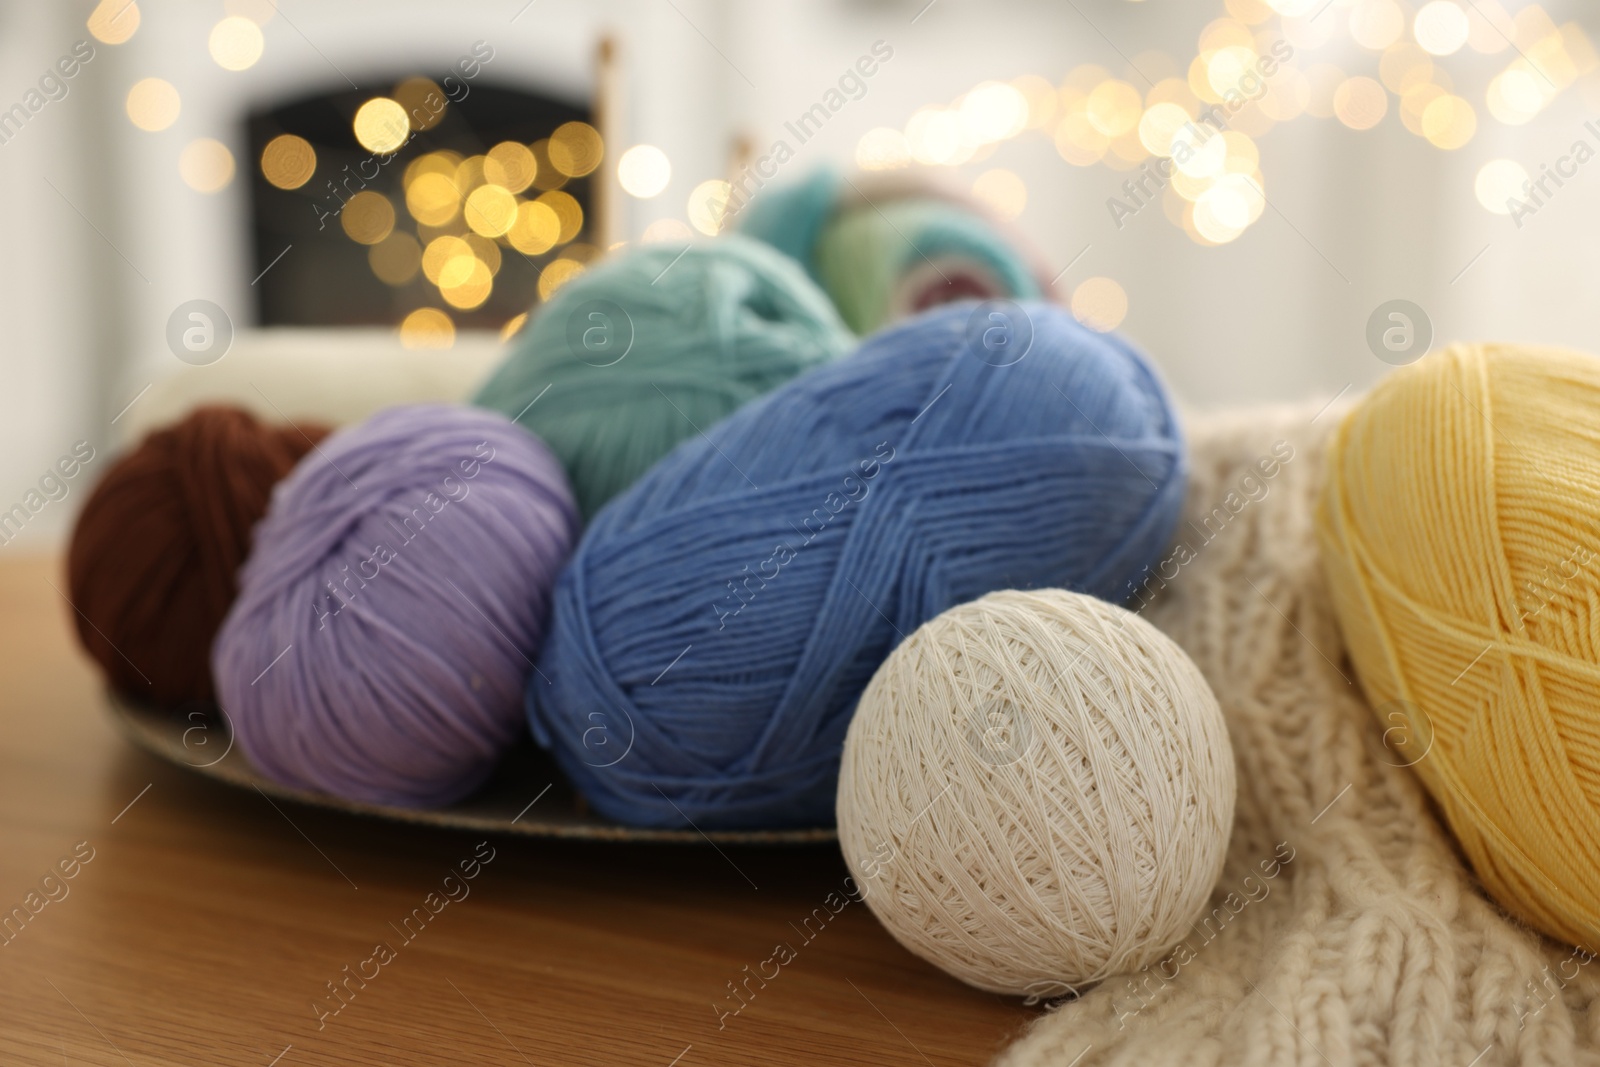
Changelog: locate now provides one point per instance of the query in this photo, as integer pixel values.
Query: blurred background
(415, 176)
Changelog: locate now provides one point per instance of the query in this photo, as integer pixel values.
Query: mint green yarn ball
(655, 345)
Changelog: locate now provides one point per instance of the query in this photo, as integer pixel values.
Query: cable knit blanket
(1346, 928)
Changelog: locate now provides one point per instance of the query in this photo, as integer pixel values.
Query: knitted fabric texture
(1346, 929)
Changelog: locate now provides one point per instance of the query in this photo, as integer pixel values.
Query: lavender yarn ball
(396, 595)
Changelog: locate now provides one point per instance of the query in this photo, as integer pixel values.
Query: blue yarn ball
(720, 619)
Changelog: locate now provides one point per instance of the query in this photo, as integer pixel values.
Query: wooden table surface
(207, 924)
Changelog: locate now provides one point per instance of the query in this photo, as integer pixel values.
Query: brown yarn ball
(154, 556)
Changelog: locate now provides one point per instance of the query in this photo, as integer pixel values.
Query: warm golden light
(395, 259)
(432, 198)
(288, 161)
(427, 328)
(1449, 122)
(513, 326)
(1041, 99)
(536, 229)
(557, 274)
(934, 135)
(1160, 125)
(381, 125)
(471, 288)
(444, 163)
(545, 177)
(707, 205)
(206, 165)
(1077, 140)
(153, 104)
(1441, 27)
(883, 148)
(368, 217)
(1100, 304)
(568, 210)
(510, 165)
(114, 21)
(644, 171)
(236, 43)
(469, 174)
(1001, 191)
(423, 102)
(1499, 182)
(1376, 24)
(490, 210)
(485, 250)
(1114, 108)
(993, 111)
(575, 149)
(1360, 103)
(440, 254)
(1514, 97)
(664, 231)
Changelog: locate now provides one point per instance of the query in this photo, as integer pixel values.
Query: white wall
(1265, 317)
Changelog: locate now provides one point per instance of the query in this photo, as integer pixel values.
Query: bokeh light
(368, 217)
(440, 254)
(288, 162)
(153, 104)
(490, 210)
(510, 165)
(883, 148)
(575, 149)
(513, 326)
(396, 259)
(114, 21)
(664, 231)
(235, 43)
(993, 111)
(206, 165)
(1498, 182)
(1360, 103)
(643, 171)
(432, 198)
(568, 211)
(536, 230)
(1001, 191)
(1376, 24)
(1441, 27)
(423, 102)
(708, 206)
(1040, 97)
(470, 281)
(1100, 304)
(381, 125)
(427, 328)
(1449, 122)
(557, 274)
(1113, 108)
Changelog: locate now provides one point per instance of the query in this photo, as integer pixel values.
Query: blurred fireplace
(438, 196)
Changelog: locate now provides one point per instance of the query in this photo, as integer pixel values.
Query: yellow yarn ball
(1460, 528)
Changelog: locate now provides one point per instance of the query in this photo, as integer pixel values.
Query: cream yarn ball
(1037, 792)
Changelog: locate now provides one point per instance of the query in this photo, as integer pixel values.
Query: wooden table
(207, 924)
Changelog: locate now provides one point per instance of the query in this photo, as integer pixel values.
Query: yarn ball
(654, 346)
(152, 565)
(1458, 525)
(720, 619)
(389, 615)
(1037, 792)
(884, 252)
